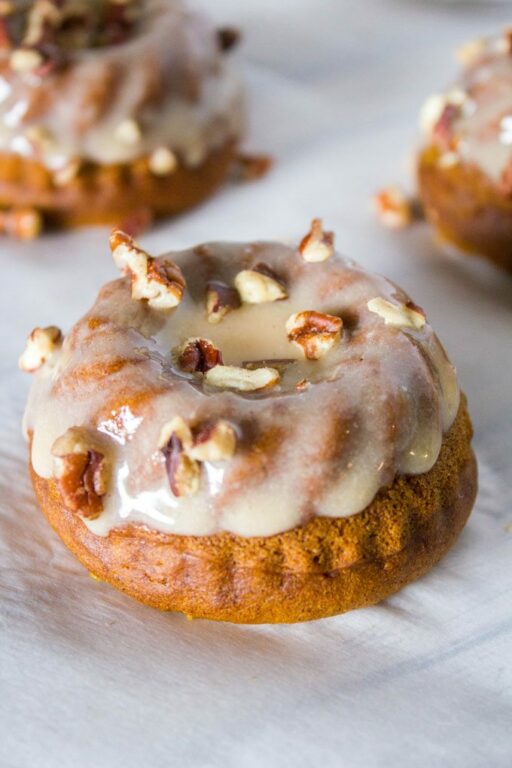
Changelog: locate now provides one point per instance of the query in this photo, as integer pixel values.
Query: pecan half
(41, 345)
(158, 281)
(81, 471)
(242, 379)
(259, 285)
(407, 315)
(214, 442)
(317, 245)
(198, 355)
(314, 332)
(220, 299)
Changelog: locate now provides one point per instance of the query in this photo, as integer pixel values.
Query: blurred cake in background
(465, 165)
(112, 111)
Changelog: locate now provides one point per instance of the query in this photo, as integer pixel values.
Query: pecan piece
(159, 282)
(21, 223)
(162, 162)
(242, 379)
(259, 285)
(220, 299)
(41, 345)
(314, 332)
(183, 472)
(228, 38)
(393, 208)
(81, 471)
(251, 167)
(214, 442)
(407, 315)
(317, 245)
(198, 355)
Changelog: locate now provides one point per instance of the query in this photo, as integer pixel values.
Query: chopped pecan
(162, 162)
(81, 471)
(214, 442)
(21, 223)
(317, 245)
(41, 345)
(128, 132)
(393, 208)
(183, 472)
(407, 315)
(158, 281)
(242, 379)
(259, 285)
(228, 38)
(220, 299)
(469, 53)
(314, 332)
(198, 355)
(251, 167)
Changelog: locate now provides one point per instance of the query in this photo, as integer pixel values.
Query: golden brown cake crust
(466, 208)
(101, 194)
(326, 567)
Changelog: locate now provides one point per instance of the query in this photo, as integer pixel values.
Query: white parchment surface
(89, 678)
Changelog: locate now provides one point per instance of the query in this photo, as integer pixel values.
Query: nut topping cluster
(41, 345)
(81, 471)
(160, 283)
(42, 34)
(400, 315)
(184, 450)
(314, 332)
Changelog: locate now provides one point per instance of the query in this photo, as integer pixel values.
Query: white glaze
(173, 43)
(378, 404)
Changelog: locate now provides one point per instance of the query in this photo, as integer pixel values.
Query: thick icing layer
(170, 78)
(377, 404)
(472, 121)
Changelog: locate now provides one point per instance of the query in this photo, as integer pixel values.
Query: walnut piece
(242, 379)
(220, 299)
(198, 355)
(259, 285)
(159, 282)
(41, 345)
(81, 471)
(314, 332)
(317, 245)
(400, 315)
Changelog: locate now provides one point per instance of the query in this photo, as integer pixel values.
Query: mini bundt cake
(112, 111)
(465, 165)
(250, 432)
